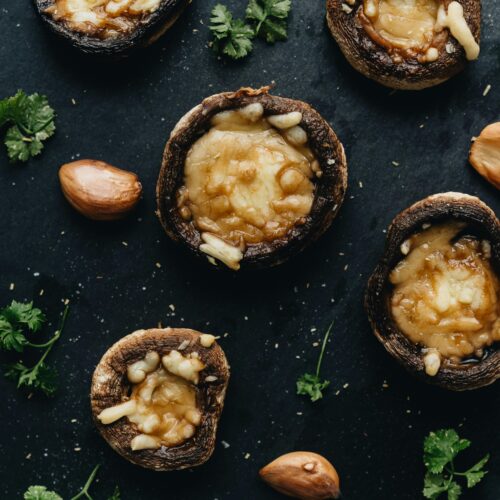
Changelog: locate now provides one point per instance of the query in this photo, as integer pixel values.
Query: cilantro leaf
(309, 384)
(271, 18)
(24, 314)
(434, 485)
(11, 339)
(475, 473)
(40, 377)
(441, 447)
(454, 491)
(232, 37)
(32, 121)
(40, 493)
(12, 319)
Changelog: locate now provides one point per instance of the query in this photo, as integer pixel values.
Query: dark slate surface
(123, 113)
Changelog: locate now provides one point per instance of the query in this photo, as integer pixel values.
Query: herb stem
(85, 490)
(325, 339)
(56, 336)
(54, 339)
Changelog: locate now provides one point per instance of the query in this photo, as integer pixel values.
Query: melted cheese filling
(416, 28)
(104, 18)
(445, 295)
(163, 401)
(166, 408)
(246, 182)
(407, 28)
(404, 23)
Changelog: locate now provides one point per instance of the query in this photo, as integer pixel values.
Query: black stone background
(123, 113)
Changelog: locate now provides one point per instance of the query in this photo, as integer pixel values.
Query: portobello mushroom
(110, 27)
(157, 396)
(434, 299)
(406, 44)
(249, 179)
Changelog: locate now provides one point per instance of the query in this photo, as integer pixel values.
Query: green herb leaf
(441, 447)
(310, 384)
(39, 377)
(11, 339)
(32, 122)
(475, 473)
(271, 18)
(40, 493)
(232, 37)
(24, 314)
(434, 485)
(12, 319)
(454, 491)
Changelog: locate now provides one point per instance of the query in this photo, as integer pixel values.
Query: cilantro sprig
(42, 493)
(310, 384)
(16, 322)
(271, 18)
(264, 18)
(232, 37)
(440, 450)
(31, 121)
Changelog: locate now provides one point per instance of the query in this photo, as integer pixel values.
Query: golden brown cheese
(163, 402)
(102, 18)
(416, 28)
(247, 180)
(445, 295)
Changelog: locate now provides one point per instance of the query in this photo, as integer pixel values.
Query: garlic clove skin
(484, 154)
(98, 190)
(303, 475)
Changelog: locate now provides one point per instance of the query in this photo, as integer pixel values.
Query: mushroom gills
(248, 179)
(445, 294)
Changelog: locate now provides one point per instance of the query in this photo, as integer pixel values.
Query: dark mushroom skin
(329, 189)
(437, 208)
(373, 60)
(110, 386)
(147, 32)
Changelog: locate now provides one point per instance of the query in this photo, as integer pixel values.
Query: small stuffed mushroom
(157, 396)
(434, 299)
(406, 45)
(248, 179)
(110, 27)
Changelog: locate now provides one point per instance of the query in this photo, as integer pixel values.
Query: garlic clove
(303, 475)
(98, 190)
(484, 154)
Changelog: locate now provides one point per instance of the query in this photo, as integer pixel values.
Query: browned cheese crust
(373, 60)
(151, 27)
(329, 189)
(110, 386)
(436, 208)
